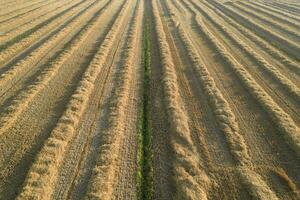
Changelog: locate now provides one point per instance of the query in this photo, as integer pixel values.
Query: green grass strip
(145, 170)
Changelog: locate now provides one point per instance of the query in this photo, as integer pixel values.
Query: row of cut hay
(225, 116)
(274, 10)
(20, 102)
(266, 20)
(19, 8)
(276, 74)
(17, 26)
(270, 14)
(12, 47)
(227, 122)
(283, 43)
(288, 8)
(191, 181)
(260, 42)
(103, 181)
(283, 121)
(26, 13)
(41, 178)
(26, 64)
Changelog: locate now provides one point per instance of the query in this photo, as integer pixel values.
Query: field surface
(149, 99)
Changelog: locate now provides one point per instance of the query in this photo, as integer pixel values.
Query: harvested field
(149, 99)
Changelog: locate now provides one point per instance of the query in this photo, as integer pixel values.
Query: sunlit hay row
(26, 64)
(270, 14)
(285, 8)
(25, 42)
(20, 102)
(283, 121)
(260, 42)
(27, 13)
(191, 181)
(222, 110)
(101, 185)
(226, 120)
(21, 25)
(15, 9)
(41, 178)
(274, 10)
(276, 74)
(286, 44)
(258, 188)
(8, 4)
(267, 20)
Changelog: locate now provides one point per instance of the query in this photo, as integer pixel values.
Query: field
(149, 99)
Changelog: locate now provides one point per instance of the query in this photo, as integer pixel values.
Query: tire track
(226, 121)
(267, 157)
(82, 149)
(39, 119)
(55, 147)
(190, 178)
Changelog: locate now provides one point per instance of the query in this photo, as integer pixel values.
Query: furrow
(226, 120)
(20, 25)
(289, 63)
(273, 10)
(107, 175)
(276, 74)
(283, 121)
(25, 13)
(263, 21)
(21, 42)
(80, 157)
(273, 15)
(11, 75)
(282, 43)
(19, 103)
(16, 10)
(43, 173)
(190, 179)
(286, 8)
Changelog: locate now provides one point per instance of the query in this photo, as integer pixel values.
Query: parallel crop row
(274, 10)
(20, 15)
(189, 176)
(20, 42)
(286, 125)
(227, 121)
(20, 103)
(43, 173)
(17, 27)
(264, 45)
(267, 21)
(287, 45)
(26, 63)
(285, 82)
(15, 10)
(270, 14)
(222, 110)
(102, 183)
